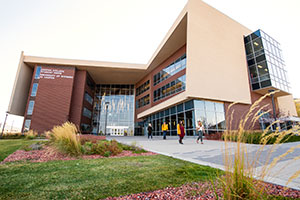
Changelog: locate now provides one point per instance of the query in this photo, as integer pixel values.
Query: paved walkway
(211, 153)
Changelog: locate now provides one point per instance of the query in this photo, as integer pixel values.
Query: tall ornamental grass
(242, 180)
(66, 139)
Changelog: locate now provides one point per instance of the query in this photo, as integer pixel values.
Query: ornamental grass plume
(66, 139)
(242, 180)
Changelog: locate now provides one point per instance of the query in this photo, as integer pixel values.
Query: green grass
(7, 147)
(98, 178)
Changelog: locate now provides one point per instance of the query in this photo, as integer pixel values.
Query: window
(176, 66)
(30, 107)
(37, 72)
(88, 98)
(143, 101)
(87, 113)
(85, 127)
(143, 88)
(177, 85)
(34, 89)
(27, 125)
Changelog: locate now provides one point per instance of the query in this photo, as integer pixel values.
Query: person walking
(164, 129)
(200, 130)
(180, 131)
(150, 131)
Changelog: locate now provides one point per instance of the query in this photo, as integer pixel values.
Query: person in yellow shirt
(164, 129)
(180, 131)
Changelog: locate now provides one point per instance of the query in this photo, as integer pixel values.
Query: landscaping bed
(204, 190)
(49, 153)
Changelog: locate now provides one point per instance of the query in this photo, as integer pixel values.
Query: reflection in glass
(120, 112)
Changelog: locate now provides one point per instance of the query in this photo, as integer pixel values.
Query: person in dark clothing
(150, 131)
(180, 131)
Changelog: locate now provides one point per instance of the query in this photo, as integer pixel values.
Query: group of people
(180, 131)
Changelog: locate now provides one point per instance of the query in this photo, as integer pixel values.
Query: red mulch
(49, 153)
(201, 190)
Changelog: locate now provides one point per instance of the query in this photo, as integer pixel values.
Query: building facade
(206, 62)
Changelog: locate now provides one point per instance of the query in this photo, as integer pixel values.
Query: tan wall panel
(216, 60)
(21, 88)
(287, 106)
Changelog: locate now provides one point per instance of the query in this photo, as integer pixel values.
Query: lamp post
(4, 124)
(98, 117)
(106, 108)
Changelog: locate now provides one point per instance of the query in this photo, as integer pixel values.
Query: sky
(123, 31)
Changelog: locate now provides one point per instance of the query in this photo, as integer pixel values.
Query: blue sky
(123, 31)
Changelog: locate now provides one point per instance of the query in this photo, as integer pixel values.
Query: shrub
(30, 135)
(102, 147)
(12, 136)
(65, 138)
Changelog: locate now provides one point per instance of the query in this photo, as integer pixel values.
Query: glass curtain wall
(212, 115)
(119, 101)
(265, 62)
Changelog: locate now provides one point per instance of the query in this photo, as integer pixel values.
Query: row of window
(143, 88)
(211, 114)
(143, 101)
(173, 87)
(170, 70)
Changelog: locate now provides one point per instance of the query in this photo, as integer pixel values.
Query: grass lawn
(7, 147)
(93, 179)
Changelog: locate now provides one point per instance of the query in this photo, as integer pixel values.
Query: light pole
(106, 108)
(4, 123)
(98, 117)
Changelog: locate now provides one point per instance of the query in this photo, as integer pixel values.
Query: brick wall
(53, 98)
(149, 76)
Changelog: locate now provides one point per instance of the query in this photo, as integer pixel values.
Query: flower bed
(49, 153)
(202, 190)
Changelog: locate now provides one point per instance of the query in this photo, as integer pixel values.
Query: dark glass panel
(266, 83)
(249, 49)
(189, 105)
(261, 58)
(173, 122)
(247, 39)
(251, 62)
(173, 110)
(180, 108)
(189, 116)
(255, 86)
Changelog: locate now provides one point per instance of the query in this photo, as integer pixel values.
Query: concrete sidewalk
(211, 153)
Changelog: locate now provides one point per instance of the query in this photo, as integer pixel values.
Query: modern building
(206, 62)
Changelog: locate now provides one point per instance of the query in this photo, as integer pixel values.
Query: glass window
(249, 49)
(34, 89)
(88, 98)
(219, 107)
(221, 121)
(30, 107)
(211, 120)
(180, 108)
(87, 113)
(210, 106)
(27, 125)
(189, 105)
(189, 116)
(37, 72)
(199, 104)
(257, 44)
